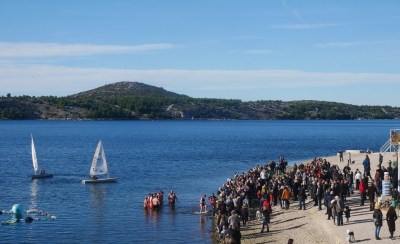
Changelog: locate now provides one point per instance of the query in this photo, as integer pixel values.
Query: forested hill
(134, 100)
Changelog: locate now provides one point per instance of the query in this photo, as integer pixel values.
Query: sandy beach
(312, 226)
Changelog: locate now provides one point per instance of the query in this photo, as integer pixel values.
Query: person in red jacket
(363, 191)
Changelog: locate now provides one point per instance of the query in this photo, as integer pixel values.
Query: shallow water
(190, 157)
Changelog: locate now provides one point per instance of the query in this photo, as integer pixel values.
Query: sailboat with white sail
(99, 170)
(42, 173)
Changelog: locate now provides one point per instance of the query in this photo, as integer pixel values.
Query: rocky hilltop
(127, 89)
(135, 100)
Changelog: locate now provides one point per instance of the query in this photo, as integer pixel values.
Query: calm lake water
(190, 157)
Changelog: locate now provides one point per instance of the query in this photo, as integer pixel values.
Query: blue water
(190, 157)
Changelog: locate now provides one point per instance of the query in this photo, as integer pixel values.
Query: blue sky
(343, 51)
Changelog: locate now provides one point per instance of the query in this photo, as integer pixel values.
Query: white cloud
(37, 50)
(60, 80)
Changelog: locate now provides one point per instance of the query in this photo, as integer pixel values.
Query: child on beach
(347, 213)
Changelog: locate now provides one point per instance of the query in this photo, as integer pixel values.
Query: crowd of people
(153, 201)
(273, 184)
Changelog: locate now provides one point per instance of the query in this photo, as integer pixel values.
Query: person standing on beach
(363, 191)
(266, 212)
(347, 213)
(378, 177)
(340, 155)
(391, 218)
(285, 198)
(367, 167)
(213, 202)
(272, 166)
(280, 195)
(390, 169)
(350, 180)
(245, 211)
(320, 195)
(275, 192)
(328, 199)
(344, 190)
(302, 198)
(234, 220)
(378, 219)
(349, 158)
(358, 178)
(313, 192)
(236, 235)
(295, 188)
(372, 190)
(334, 209)
(340, 210)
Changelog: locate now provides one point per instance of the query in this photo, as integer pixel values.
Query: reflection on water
(34, 194)
(152, 217)
(98, 194)
(202, 224)
(172, 215)
(34, 199)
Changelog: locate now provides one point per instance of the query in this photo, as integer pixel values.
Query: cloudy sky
(343, 51)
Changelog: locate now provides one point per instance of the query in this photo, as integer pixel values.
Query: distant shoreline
(135, 100)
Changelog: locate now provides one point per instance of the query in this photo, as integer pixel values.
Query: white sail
(99, 162)
(34, 157)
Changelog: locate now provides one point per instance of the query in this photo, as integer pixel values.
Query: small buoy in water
(28, 219)
(17, 210)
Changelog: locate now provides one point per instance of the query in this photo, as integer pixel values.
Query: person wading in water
(172, 198)
(203, 205)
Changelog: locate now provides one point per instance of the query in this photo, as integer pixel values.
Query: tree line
(152, 107)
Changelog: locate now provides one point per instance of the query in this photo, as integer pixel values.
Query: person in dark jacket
(232, 235)
(296, 186)
(347, 211)
(320, 195)
(367, 167)
(391, 217)
(372, 190)
(275, 192)
(378, 219)
(313, 193)
(245, 211)
(302, 198)
(236, 235)
(328, 199)
(340, 210)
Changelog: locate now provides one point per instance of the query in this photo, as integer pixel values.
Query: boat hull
(41, 176)
(99, 181)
